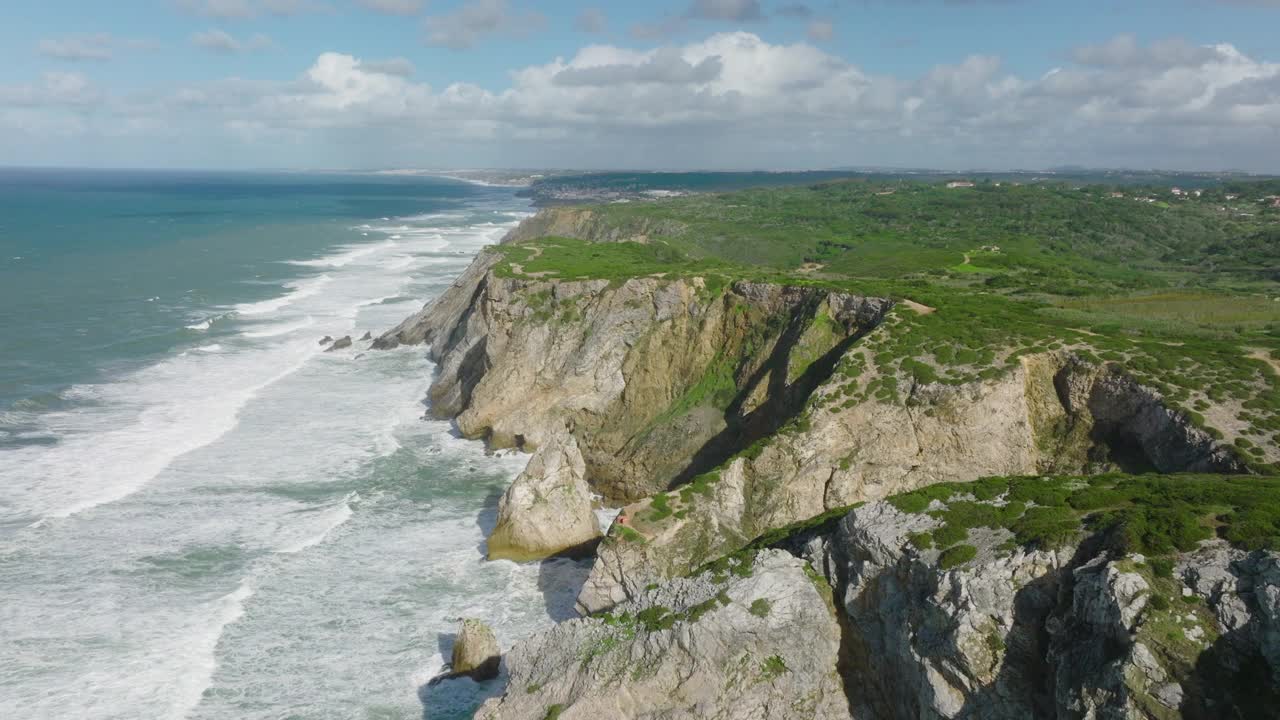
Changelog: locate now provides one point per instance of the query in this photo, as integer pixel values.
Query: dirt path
(1265, 356)
(921, 309)
(535, 251)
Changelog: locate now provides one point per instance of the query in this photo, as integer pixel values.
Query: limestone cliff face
(1049, 413)
(1083, 631)
(638, 371)
(661, 380)
(1073, 633)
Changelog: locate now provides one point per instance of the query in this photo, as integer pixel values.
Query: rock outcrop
(641, 371)
(662, 380)
(547, 509)
(1080, 632)
(1047, 413)
(475, 651)
(340, 344)
(753, 641)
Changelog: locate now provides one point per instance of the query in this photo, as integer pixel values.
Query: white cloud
(391, 66)
(734, 99)
(55, 89)
(224, 43)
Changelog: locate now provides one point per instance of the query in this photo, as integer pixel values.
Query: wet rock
(341, 343)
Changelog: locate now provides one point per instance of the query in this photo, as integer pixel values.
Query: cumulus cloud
(393, 7)
(734, 99)
(1125, 51)
(219, 41)
(591, 20)
(56, 89)
(665, 66)
(391, 66)
(476, 19)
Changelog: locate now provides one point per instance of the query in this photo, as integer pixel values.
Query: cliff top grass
(1181, 292)
(1154, 515)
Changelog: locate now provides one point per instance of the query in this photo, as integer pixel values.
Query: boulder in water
(475, 652)
(340, 343)
(366, 337)
(326, 340)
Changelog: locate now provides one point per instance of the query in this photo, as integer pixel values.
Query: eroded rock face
(1038, 417)
(757, 643)
(547, 509)
(659, 380)
(929, 643)
(1080, 632)
(475, 651)
(639, 371)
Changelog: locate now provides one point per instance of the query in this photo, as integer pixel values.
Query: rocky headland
(765, 562)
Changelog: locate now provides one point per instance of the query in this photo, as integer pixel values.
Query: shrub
(956, 555)
(921, 540)
(760, 607)
(949, 535)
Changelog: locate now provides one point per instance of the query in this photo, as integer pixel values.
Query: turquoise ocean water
(202, 513)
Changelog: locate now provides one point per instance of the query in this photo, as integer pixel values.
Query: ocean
(205, 515)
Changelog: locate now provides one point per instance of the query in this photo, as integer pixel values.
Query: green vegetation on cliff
(1151, 514)
(1180, 292)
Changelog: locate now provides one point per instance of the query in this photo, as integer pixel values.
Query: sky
(661, 84)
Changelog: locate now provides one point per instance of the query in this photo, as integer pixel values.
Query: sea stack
(547, 510)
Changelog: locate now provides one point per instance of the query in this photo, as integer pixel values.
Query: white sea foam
(199, 650)
(246, 506)
(206, 324)
(100, 461)
(279, 329)
(348, 255)
(300, 289)
(326, 521)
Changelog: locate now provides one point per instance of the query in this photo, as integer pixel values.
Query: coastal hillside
(727, 366)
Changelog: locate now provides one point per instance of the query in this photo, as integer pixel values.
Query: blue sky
(782, 83)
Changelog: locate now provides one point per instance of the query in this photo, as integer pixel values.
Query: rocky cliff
(758, 641)
(1074, 626)
(721, 411)
(656, 378)
(725, 414)
(1085, 630)
(1048, 413)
